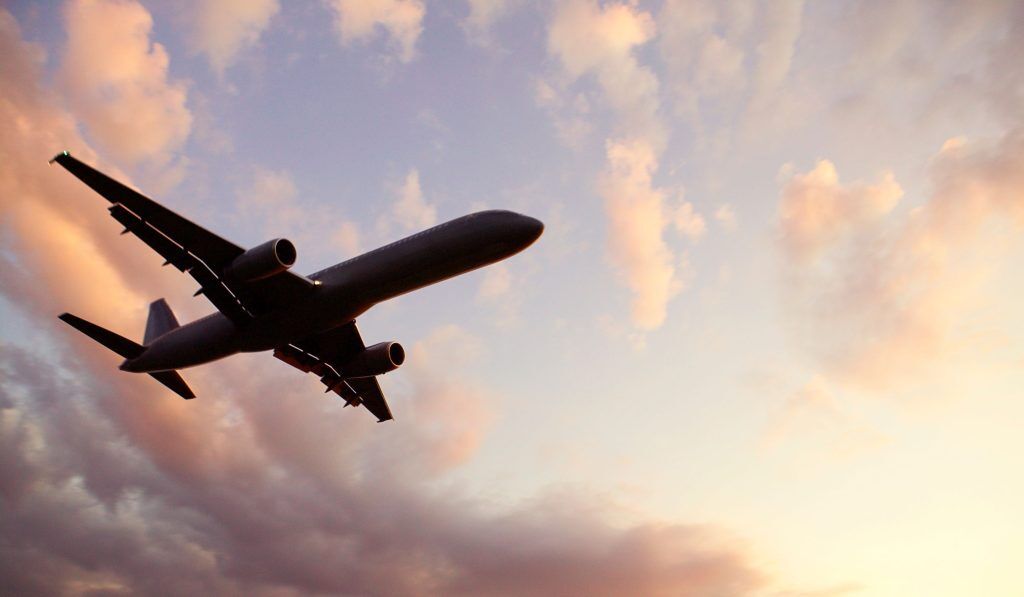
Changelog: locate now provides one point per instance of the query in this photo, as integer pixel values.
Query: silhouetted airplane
(308, 321)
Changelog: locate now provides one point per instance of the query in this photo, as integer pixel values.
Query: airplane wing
(191, 248)
(324, 354)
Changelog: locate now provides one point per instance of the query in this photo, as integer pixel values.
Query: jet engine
(375, 360)
(263, 261)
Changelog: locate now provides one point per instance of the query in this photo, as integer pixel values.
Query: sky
(770, 343)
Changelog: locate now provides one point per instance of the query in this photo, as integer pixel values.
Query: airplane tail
(161, 320)
(129, 349)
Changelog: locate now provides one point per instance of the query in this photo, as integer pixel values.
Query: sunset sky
(771, 342)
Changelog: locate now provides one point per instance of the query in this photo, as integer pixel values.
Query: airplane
(307, 321)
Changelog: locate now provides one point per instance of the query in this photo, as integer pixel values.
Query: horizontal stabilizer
(173, 380)
(119, 344)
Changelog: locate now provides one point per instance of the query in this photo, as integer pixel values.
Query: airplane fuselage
(344, 291)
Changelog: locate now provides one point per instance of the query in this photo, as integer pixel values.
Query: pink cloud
(591, 40)
(890, 295)
(637, 218)
(816, 211)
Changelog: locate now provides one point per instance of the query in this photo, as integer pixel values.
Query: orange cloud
(637, 218)
(600, 41)
(118, 82)
(816, 211)
(893, 297)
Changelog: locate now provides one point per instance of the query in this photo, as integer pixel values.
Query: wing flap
(323, 355)
(373, 398)
(215, 250)
(191, 248)
(212, 286)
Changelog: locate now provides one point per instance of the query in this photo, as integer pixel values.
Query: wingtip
(57, 157)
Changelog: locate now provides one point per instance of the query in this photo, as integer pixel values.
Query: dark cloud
(247, 509)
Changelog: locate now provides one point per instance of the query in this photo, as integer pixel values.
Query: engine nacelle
(263, 261)
(375, 360)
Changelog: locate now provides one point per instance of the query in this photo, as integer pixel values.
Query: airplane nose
(532, 228)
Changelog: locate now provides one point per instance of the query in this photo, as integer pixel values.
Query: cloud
(270, 202)
(270, 199)
(568, 113)
(781, 23)
(813, 416)
(410, 210)
(688, 222)
(117, 81)
(703, 45)
(726, 74)
(900, 294)
(482, 16)
(601, 41)
(357, 21)
(297, 502)
(47, 215)
(726, 216)
(588, 39)
(637, 218)
(223, 28)
(497, 282)
(263, 485)
(502, 291)
(816, 211)
(347, 238)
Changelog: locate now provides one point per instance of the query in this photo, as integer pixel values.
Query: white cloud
(358, 21)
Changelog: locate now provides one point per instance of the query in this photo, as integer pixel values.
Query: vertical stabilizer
(161, 320)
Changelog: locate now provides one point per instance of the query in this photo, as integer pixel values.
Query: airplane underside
(308, 322)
